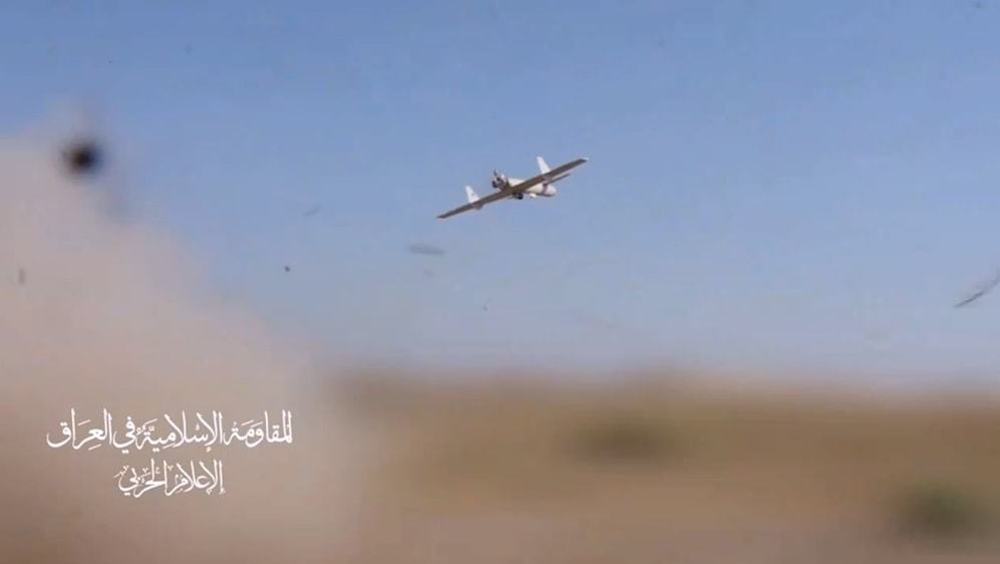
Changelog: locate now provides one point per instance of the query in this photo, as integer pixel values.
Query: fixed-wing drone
(541, 185)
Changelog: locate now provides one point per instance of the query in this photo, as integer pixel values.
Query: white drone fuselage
(545, 189)
(505, 187)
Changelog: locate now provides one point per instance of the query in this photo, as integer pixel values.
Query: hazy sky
(772, 184)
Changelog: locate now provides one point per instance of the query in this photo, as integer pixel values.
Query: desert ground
(654, 472)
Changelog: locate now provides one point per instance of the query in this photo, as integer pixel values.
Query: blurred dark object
(941, 511)
(83, 157)
(425, 249)
(22, 277)
(625, 438)
(980, 291)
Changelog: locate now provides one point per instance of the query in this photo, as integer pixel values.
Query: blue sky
(772, 184)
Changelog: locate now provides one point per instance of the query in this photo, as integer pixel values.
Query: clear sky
(772, 184)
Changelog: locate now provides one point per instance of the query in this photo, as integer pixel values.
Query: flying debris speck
(22, 277)
(981, 291)
(424, 249)
(82, 157)
(312, 211)
(288, 268)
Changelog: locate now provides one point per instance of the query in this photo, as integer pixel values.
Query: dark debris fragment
(425, 249)
(981, 291)
(82, 157)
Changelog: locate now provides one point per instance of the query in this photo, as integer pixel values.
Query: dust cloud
(99, 312)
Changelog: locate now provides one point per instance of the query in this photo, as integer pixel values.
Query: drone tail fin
(543, 166)
(471, 195)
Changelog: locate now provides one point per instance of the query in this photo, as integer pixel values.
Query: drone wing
(475, 204)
